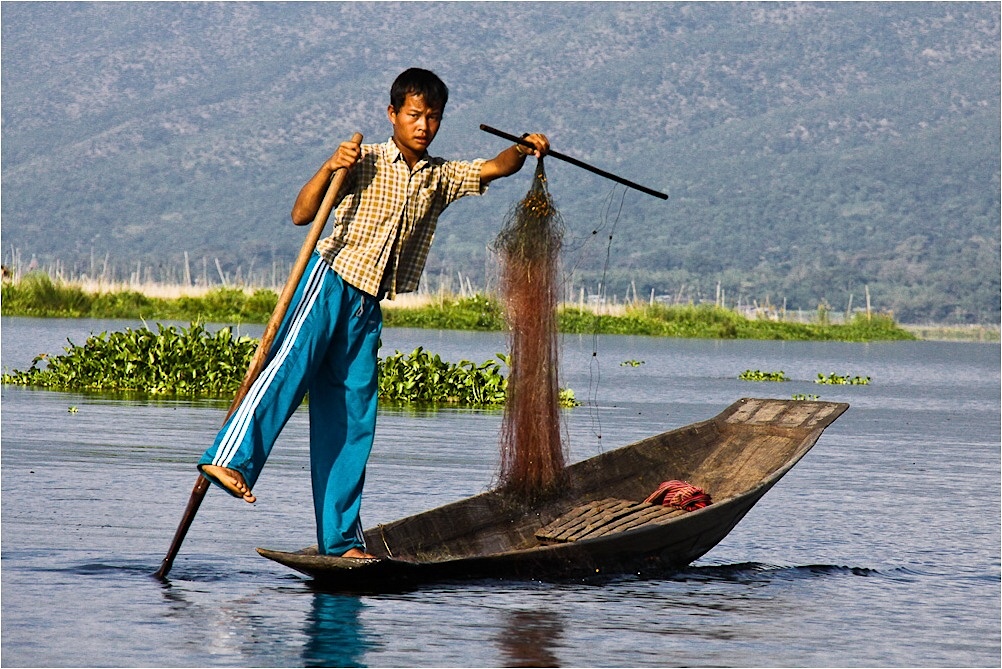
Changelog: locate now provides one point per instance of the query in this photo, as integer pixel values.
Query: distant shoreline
(960, 333)
(39, 296)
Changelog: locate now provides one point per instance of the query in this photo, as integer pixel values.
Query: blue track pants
(328, 345)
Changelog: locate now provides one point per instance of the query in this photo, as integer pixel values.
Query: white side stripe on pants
(237, 430)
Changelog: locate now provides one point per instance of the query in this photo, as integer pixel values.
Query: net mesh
(528, 245)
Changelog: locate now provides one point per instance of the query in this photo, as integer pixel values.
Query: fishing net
(532, 452)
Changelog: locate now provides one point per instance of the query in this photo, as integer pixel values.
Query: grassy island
(38, 295)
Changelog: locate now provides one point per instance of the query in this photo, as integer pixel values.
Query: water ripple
(755, 572)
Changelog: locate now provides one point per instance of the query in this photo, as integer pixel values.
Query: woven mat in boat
(604, 516)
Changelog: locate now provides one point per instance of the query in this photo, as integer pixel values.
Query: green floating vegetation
(187, 361)
(842, 380)
(802, 396)
(831, 379)
(37, 295)
(757, 375)
(631, 363)
(567, 399)
(424, 378)
(194, 362)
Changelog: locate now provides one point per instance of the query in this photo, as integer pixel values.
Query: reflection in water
(528, 638)
(220, 629)
(334, 635)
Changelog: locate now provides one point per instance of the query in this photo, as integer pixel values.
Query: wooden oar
(261, 354)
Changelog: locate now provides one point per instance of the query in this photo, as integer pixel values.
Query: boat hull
(737, 456)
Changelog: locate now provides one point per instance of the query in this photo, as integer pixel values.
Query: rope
(680, 495)
(594, 368)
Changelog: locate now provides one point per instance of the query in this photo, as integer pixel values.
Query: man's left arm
(511, 159)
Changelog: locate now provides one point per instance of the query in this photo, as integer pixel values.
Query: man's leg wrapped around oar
(327, 344)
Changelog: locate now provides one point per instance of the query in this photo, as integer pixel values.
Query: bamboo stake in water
(261, 355)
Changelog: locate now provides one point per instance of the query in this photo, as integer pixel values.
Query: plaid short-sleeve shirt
(384, 225)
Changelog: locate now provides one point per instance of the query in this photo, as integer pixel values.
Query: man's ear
(391, 114)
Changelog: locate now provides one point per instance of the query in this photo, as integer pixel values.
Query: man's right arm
(312, 193)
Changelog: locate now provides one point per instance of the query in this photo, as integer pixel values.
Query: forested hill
(811, 151)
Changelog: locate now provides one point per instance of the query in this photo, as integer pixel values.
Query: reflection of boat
(597, 524)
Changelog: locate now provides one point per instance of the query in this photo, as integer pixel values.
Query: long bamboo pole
(576, 162)
(261, 354)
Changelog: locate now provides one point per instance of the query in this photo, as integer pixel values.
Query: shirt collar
(393, 154)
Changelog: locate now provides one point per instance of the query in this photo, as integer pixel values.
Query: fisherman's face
(415, 125)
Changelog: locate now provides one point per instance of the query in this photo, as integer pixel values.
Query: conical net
(532, 453)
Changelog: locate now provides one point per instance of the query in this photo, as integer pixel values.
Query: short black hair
(419, 82)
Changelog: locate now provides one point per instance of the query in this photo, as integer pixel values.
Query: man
(328, 342)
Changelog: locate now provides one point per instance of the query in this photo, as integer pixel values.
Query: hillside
(810, 151)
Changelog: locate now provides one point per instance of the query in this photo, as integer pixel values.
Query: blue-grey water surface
(880, 548)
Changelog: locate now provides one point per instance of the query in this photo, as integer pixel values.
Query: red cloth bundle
(680, 495)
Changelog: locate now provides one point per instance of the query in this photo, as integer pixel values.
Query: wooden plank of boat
(597, 523)
(606, 516)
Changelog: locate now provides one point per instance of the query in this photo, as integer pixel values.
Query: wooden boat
(598, 523)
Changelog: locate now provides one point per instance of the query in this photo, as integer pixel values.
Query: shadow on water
(334, 633)
(139, 569)
(744, 572)
(189, 574)
(102, 569)
(748, 573)
(757, 572)
(530, 638)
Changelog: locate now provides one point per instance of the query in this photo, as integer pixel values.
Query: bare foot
(231, 480)
(358, 553)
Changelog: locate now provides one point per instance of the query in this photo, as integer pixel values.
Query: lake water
(880, 548)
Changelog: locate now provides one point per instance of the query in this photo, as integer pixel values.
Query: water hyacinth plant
(757, 375)
(424, 378)
(834, 379)
(175, 361)
(194, 362)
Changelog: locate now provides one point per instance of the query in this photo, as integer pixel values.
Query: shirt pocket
(421, 203)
